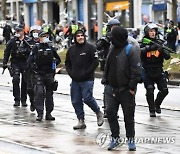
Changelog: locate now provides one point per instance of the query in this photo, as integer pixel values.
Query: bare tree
(3, 7)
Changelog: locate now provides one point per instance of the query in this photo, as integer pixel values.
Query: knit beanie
(119, 37)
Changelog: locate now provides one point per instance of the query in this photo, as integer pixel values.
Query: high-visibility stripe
(155, 53)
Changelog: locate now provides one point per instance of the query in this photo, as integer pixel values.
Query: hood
(79, 31)
(119, 37)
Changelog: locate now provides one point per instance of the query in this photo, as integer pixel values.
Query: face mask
(35, 35)
(17, 35)
(46, 40)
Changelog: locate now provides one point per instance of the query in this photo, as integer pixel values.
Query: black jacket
(16, 49)
(43, 66)
(153, 56)
(127, 71)
(81, 62)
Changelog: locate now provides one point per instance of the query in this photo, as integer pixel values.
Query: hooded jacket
(122, 71)
(81, 60)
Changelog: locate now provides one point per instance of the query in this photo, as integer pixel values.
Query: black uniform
(44, 55)
(152, 58)
(19, 52)
(171, 35)
(7, 32)
(30, 77)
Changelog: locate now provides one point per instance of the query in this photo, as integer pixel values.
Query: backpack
(128, 49)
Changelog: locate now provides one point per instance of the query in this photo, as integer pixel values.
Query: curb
(174, 77)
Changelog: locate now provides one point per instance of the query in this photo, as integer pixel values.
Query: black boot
(24, 104)
(17, 103)
(32, 108)
(49, 117)
(39, 118)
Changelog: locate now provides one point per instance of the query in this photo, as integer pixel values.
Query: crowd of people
(124, 62)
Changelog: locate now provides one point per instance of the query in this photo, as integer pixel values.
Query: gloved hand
(153, 47)
(4, 66)
(104, 81)
(176, 43)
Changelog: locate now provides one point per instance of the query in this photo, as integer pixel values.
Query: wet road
(18, 125)
(154, 135)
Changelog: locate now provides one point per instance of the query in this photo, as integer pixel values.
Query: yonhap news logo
(103, 139)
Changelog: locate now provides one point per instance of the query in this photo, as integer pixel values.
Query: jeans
(113, 99)
(82, 92)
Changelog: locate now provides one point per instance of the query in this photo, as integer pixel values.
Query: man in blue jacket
(81, 62)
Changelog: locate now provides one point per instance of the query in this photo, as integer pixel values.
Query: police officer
(171, 35)
(102, 45)
(19, 50)
(34, 30)
(152, 57)
(71, 31)
(46, 58)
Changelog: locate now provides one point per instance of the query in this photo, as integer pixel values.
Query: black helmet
(113, 22)
(19, 27)
(150, 26)
(42, 32)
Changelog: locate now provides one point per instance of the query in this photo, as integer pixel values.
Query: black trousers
(113, 99)
(149, 82)
(30, 85)
(19, 92)
(43, 93)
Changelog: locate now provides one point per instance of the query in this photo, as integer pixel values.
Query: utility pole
(3, 7)
(131, 13)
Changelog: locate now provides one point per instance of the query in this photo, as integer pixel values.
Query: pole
(100, 17)
(131, 14)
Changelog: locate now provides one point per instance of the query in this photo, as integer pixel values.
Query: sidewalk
(158, 135)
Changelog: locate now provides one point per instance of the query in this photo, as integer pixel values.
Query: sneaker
(17, 103)
(131, 145)
(49, 117)
(158, 109)
(81, 124)
(100, 119)
(152, 114)
(115, 143)
(24, 104)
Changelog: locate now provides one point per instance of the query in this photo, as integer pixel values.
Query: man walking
(121, 75)
(81, 62)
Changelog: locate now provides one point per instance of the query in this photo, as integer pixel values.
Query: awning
(159, 5)
(112, 6)
(29, 1)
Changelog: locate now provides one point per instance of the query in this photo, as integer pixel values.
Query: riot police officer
(103, 45)
(152, 57)
(46, 58)
(34, 30)
(19, 50)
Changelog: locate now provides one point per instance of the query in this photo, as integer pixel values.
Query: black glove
(4, 66)
(153, 47)
(104, 81)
